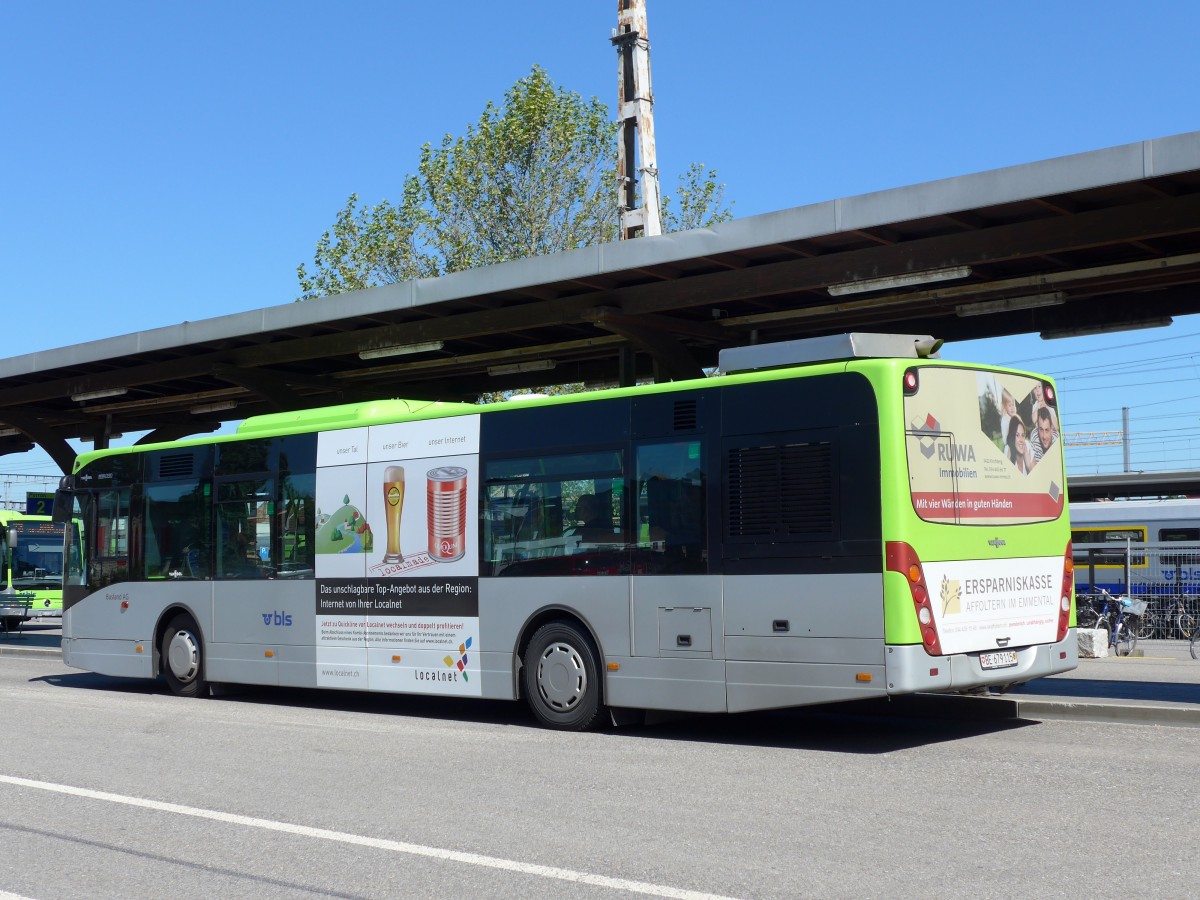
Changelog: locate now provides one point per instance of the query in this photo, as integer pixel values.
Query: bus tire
(12, 623)
(562, 678)
(183, 658)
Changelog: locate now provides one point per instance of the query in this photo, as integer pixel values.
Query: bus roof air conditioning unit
(805, 351)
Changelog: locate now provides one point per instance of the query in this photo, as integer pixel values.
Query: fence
(1166, 576)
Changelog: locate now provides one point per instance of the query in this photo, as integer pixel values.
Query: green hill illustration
(346, 531)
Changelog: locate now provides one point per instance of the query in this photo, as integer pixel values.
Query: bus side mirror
(63, 504)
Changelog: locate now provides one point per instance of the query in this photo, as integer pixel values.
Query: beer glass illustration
(393, 503)
(446, 503)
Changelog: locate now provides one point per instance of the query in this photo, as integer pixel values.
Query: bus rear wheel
(562, 678)
(12, 623)
(183, 658)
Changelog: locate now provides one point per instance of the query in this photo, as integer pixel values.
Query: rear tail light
(903, 559)
(1067, 593)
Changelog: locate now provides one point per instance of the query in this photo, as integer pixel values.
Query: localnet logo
(461, 662)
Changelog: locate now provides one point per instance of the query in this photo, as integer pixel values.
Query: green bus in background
(823, 520)
(31, 562)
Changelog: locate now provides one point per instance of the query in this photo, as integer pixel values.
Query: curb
(1006, 707)
(1131, 714)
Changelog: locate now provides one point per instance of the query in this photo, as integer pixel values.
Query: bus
(821, 520)
(31, 561)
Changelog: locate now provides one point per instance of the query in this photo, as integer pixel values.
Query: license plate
(1001, 659)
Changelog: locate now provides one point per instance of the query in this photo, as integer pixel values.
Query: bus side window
(670, 506)
(555, 514)
(176, 533)
(245, 529)
(295, 526)
(73, 567)
(524, 522)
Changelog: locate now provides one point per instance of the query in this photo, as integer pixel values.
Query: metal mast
(636, 158)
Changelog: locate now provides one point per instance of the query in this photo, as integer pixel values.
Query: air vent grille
(780, 491)
(686, 416)
(175, 465)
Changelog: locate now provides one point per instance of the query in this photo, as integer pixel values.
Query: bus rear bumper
(910, 669)
(109, 657)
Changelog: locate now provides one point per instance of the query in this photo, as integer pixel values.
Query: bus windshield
(984, 448)
(37, 555)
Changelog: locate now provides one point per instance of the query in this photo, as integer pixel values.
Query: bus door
(106, 517)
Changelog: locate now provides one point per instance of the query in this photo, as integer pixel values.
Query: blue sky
(164, 162)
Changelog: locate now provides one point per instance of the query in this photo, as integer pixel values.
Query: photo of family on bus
(1025, 430)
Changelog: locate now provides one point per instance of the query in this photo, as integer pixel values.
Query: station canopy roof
(1134, 486)
(1099, 241)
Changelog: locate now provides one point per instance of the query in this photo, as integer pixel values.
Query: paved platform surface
(1159, 685)
(37, 637)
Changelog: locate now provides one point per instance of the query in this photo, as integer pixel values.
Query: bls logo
(277, 618)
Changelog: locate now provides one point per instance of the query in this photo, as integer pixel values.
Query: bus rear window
(984, 448)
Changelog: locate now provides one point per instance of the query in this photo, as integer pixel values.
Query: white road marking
(472, 859)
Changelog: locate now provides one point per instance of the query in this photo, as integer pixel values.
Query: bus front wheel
(183, 658)
(561, 677)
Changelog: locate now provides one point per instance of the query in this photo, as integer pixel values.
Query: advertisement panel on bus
(984, 451)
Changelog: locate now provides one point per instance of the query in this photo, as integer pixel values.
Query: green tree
(536, 175)
(698, 202)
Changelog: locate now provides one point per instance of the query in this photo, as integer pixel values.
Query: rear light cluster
(1068, 589)
(903, 559)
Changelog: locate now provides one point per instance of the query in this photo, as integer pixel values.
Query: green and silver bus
(31, 561)
(822, 520)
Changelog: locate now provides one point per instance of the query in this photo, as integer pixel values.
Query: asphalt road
(112, 788)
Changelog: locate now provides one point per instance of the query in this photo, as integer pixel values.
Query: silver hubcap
(183, 656)
(561, 677)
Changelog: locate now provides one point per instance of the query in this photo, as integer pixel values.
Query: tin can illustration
(447, 508)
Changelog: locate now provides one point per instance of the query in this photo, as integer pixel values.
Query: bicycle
(1185, 622)
(1120, 618)
(1147, 625)
(1087, 612)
